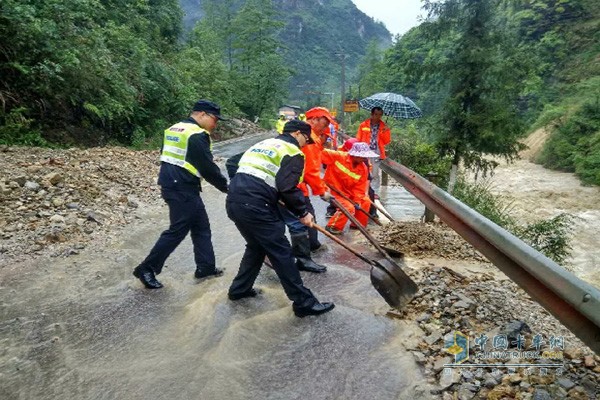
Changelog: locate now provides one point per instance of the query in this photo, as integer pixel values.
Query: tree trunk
(453, 171)
(452, 178)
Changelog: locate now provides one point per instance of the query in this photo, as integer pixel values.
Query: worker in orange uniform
(377, 134)
(319, 118)
(345, 148)
(304, 239)
(348, 173)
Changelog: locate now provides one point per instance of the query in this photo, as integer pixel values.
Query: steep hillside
(314, 32)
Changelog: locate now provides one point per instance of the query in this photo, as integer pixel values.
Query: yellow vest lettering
(175, 145)
(263, 160)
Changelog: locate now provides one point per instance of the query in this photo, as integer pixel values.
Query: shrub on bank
(574, 145)
(550, 237)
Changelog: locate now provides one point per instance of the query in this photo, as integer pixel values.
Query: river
(539, 193)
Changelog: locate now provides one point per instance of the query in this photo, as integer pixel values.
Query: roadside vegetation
(97, 72)
(550, 237)
(574, 145)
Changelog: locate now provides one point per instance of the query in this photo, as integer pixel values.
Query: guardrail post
(384, 178)
(429, 216)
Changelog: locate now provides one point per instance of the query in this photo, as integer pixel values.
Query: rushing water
(539, 193)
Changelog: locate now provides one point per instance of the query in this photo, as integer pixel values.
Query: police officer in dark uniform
(269, 172)
(186, 158)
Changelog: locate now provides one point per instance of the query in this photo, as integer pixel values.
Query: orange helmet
(317, 112)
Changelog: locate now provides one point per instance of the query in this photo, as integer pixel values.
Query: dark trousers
(372, 208)
(264, 232)
(298, 228)
(186, 214)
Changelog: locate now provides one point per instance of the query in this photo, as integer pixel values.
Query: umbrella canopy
(394, 105)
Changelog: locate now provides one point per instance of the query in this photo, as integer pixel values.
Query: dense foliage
(247, 38)
(575, 143)
(95, 71)
(92, 67)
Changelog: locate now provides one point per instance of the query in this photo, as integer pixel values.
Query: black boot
(301, 250)
(203, 273)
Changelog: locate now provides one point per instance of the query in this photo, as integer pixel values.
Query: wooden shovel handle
(341, 243)
(388, 216)
(356, 205)
(362, 230)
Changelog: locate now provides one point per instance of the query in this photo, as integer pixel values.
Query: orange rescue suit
(352, 180)
(312, 168)
(383, 136)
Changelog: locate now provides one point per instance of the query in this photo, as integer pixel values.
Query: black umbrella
(394, 105)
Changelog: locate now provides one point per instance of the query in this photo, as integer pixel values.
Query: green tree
(480, 114)
(371, 70)
(259, 72)
(82, 70)
(219, 17)
(413, 67)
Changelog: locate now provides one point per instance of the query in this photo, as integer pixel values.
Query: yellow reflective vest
(280, 124)
(175, 145)
(263, 160)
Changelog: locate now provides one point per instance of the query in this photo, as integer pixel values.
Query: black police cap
(297, 125)
(209, 107)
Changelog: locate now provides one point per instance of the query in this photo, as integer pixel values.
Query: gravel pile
(480, 304)
(57, 201)
(434, 239)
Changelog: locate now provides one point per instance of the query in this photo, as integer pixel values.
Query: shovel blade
(393, 252)
(396, 288)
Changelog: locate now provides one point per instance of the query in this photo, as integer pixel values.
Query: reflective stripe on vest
(343, 168)
(263, 160)
(175, 145)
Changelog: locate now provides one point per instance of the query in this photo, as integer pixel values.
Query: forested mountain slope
(113, 71)
(314, 35)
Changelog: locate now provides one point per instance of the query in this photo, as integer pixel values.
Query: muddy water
(84, 328)
(540, 193)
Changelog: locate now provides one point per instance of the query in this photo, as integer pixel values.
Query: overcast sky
(397, 15)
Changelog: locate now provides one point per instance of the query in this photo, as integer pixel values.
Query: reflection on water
(402, 205)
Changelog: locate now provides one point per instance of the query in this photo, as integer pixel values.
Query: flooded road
(83, 327)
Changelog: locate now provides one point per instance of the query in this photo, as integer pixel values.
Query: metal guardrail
(575, 303)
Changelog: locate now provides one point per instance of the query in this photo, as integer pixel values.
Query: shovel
(396, 288)
(407, 287)
(381, 210)
(356, 205)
